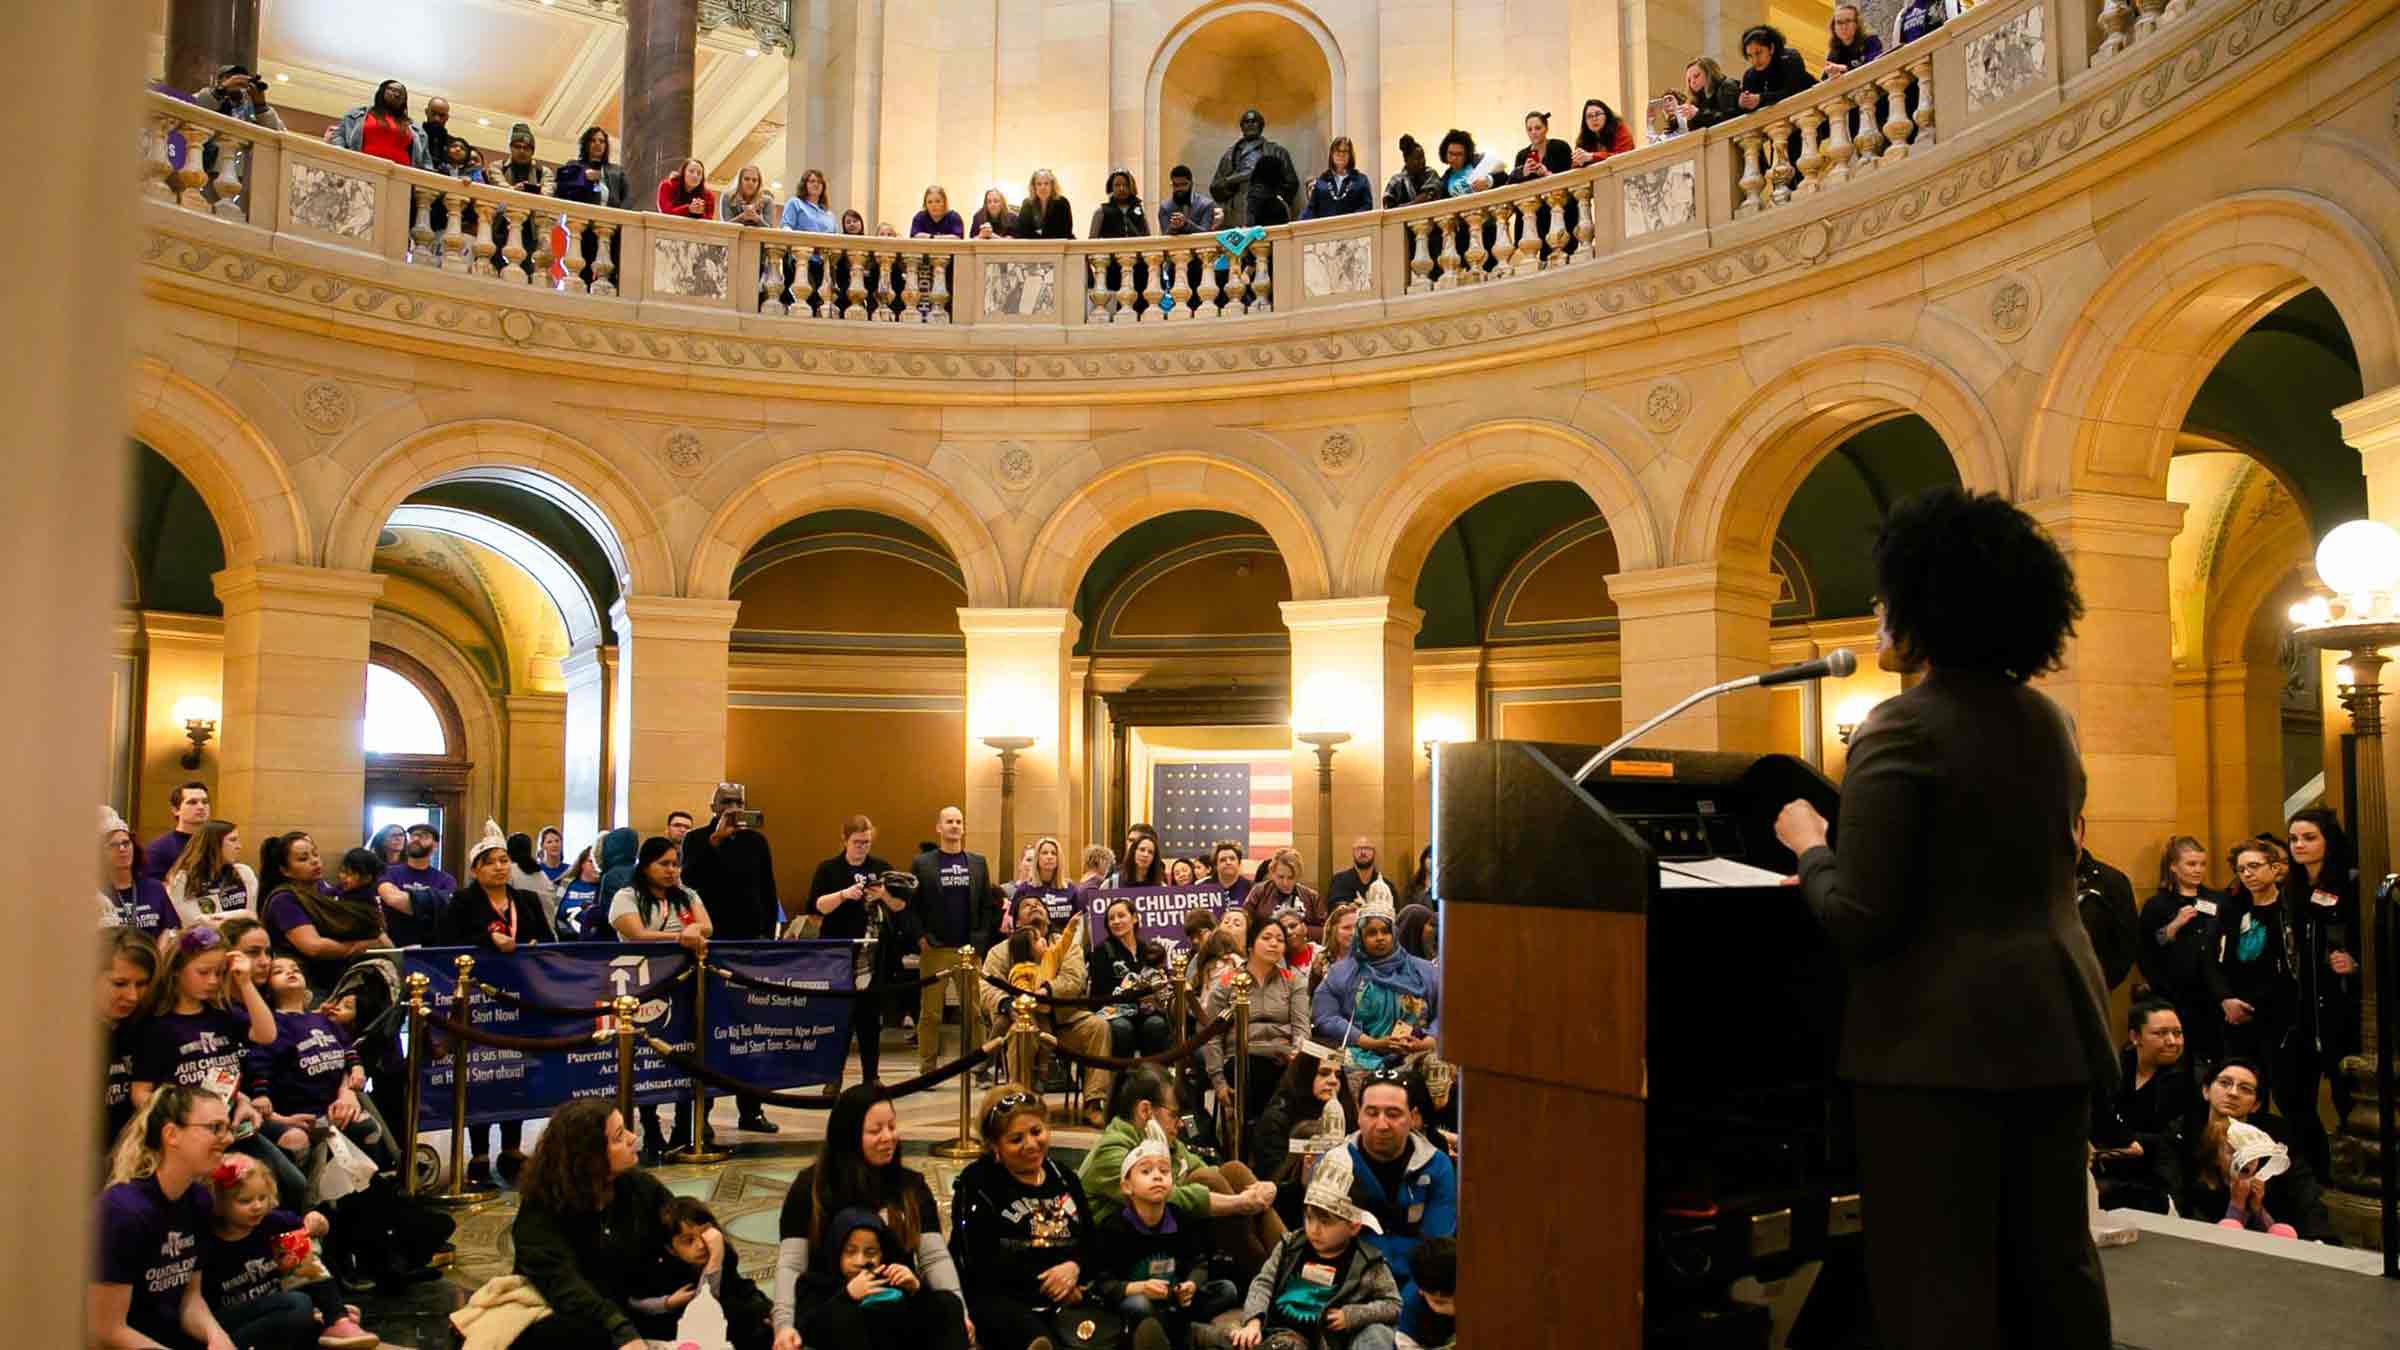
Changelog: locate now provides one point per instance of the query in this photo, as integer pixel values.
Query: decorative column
(292, 755)
(537, 763)
(1353, 672)
(1018, 687)
(2118, 683)
(1684, 628)
(205, 34)
(670, 706)
(662, 41)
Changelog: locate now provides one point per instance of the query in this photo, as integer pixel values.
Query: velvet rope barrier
(524, 1004)
(779, 987)
(532, 1045)
(813, 1102)
(1166, 1056)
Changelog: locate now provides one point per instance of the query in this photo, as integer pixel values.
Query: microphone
(1839, 661)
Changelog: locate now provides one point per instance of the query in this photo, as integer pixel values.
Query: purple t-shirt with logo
(303, 1070)
(238, 1271)
(152, 1243)
(144, 907)
(190, 1048)
(429, 889)
(159, 855)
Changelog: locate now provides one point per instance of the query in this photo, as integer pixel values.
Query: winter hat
(1153, 1145)
(1329, 1190)
(1378, 904)
(2251, 1144)
(849, 1220)
(521, 132)
(494, 838)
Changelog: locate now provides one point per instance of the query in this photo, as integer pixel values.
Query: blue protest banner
(780, 1038)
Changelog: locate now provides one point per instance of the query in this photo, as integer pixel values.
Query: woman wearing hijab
(1380, 1004)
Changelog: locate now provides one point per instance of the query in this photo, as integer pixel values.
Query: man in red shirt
(383, 129)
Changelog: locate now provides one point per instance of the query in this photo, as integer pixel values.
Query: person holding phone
(852, 903)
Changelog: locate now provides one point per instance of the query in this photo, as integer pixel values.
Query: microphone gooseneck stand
(1839, 661)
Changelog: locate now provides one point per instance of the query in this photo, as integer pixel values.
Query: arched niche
(1273, 57)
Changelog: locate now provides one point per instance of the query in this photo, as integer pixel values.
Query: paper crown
(2251, 1144)
(1318, 1049)
(111, 822)
(1329, 1190)
(1378, 903)
(1153, 1145)
(493, 838)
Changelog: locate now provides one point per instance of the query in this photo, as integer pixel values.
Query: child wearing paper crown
(246, 1253)
(1157, 1261)
(698, 1254)
(871, 1276)
(1323, 1287)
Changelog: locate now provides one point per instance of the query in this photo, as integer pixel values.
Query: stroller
(388, 1238)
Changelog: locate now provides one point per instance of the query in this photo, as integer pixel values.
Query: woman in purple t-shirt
(128, 963)
(128, 899)
(149, 1225)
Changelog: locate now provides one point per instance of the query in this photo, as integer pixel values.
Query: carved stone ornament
(1663, 408)
(1339, 452)
(683, 452)
(517, 326)
(1015, 465)
(2009, 308)
(325, 406)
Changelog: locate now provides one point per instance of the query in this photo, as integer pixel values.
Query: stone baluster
(1836, 112)
(1923, 70)
(816, 268)
(604, 266)
(854, 305)
(771, 256)
(1753, 180)
(158, 165)
(2116, 20)
(1896, 126)
(508, 218)
(1870, 132)
(1477, 254)
(1556, 241)
(483, 244)
(2174, 10)
(884, 295)
(1587, 225)
(1449, 226)
(1212, 283)
(571, 262)
(454, 233)
(1420, 256)
(1237, 289)
(1098, 298)
(189, 178)
(1181, 261)
(1812, 161)
(1124, 263)
(539, 273)
(1780, 172)
(1504, 239)
(420, 230)
(1262, 270)
(940, 313)
(2147, 23)
(1155, 289)
(909, 295)
(232, 153)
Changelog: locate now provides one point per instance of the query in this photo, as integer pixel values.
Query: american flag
(1198, 805)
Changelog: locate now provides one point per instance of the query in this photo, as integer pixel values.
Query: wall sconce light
(199, 715)
(1852, 714)
(1438, 728)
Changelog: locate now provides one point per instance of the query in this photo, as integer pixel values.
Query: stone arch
(1123, 496)
(536, 457)
(1191, 25)
(1400, 524)
(1746, 475)
(853, 480)
(227, 460)
(2148, 337)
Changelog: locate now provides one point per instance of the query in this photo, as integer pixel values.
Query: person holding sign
(1136, 1026)
(1036, 963)
(957, 907)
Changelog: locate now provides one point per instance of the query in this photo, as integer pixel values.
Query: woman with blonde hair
(1045, 214)
(1709, 96)
(747, 202)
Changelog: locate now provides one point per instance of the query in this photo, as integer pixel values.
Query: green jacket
(1103, 1173)
(585, 1264)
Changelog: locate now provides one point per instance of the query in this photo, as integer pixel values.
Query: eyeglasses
(2237, 1087)
(219, 1128)
(2253, 866)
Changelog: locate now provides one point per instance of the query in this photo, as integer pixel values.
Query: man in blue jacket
(1404, 1181)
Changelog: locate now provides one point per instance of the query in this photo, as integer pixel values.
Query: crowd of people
(1255, 182)
(232, 999)
(2245, 1002)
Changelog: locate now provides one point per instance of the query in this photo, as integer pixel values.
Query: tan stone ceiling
(503, 604)
(559, 67)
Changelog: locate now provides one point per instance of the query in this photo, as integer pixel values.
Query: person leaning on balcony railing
(590, 178)
(1709, 95)
(747, 202)
(383, 129)
(810, 210)
(1602, 134)
(1775, 73)
(1848, 44)
(1465, 169)
(1044, 214)
(685, 192)
(1185, 209)
(1416, 183)
(1341, 190)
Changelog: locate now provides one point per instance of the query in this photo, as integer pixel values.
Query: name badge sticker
(2207, 907)
(2324, 899)
(1316, 1274)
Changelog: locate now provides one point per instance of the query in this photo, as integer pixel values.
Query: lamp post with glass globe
(2359, 562)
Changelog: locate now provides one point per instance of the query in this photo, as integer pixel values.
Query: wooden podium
(1553, 996)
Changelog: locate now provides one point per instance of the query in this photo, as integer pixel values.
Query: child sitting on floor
(1158, 1271)
(697, 1254)
(1429, 1320)
(1323, 1289)
(246, 1253)
(891, 1305)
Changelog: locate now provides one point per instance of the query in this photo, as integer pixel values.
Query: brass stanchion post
(1241, 1061)
(966, 1145)
(1179, 997)
(628, 1008)
(462, 998)
(1024, 1043)
(698, 1151)
(417, 983)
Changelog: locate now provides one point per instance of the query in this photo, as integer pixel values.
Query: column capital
(290, 586)
(2108, 522)
(2372, 423)
(993, 621)
(539, 705)
(1355, 611)
(1686, 587)
(673, 617)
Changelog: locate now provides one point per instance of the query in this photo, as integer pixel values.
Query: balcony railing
(1989, 66)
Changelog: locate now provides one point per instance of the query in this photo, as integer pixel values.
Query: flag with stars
(1198, 805)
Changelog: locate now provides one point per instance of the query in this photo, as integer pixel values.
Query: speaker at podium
(1647, 1017)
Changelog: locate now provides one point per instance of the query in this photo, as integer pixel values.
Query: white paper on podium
(1698, 872)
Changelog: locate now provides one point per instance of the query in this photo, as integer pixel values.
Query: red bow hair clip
(226, 1174)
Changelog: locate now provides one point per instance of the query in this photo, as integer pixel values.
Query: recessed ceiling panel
(491, 56)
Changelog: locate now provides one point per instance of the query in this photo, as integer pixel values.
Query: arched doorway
(417, 767)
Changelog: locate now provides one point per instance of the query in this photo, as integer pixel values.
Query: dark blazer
(2105, 900)
(983, 903)
(466, 921)
(2175, 967)
(1058, 222)
(1952, 896)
